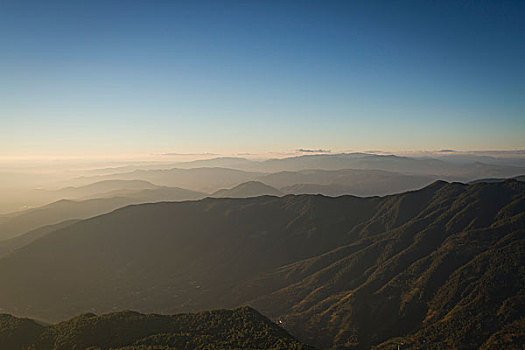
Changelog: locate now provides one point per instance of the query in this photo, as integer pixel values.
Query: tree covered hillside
(443, 265)
(242, 328)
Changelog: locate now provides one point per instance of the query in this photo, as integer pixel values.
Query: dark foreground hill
(242, 328)
(439, 267)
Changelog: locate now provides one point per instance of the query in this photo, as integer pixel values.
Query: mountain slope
(57, 212)
(347, 272)
(63, 210)
(246, 190)
(242, 328)
(411, 277)
(171, 257)
(10, 245)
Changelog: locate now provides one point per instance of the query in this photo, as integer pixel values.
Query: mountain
(452, 275)
(165, 193)
(346, 181)
(98, 189)
(10, 245)
(57, 212)
(222, 162)
(464, 171)
(329, 182)
(196, 179)
(242, 328)
(518, 178)
(511, 158)
(248, 189)
(213, 174)
(210, 175)
(15, 199)
(63, 210)
(438, 267)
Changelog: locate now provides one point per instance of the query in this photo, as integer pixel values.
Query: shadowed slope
(63, 210)
(347, 272)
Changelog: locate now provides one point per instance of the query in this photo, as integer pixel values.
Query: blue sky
(130, 77)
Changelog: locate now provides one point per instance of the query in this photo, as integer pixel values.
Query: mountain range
(362, 174)
(458, 168)
(443, 265)
(227, 172)
(206, 180)
(242, 328)
(64, 209)
(104, 196)
(346, 181)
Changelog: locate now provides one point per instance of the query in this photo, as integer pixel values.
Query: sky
(127, 78)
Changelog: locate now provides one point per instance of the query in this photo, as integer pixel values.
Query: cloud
(303, 150)
(446, 151)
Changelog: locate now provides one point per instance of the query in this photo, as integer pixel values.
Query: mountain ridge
(69, 209)
(347, 272)
(240, 328)
(248, 189)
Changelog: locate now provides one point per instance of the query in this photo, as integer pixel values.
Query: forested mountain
(443, 265)
(452, 275)
(242, 328)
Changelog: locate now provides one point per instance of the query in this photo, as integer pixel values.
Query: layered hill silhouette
(346, 181)
(197, 179)
(330, 174)
(97, 198)
(246, 190)
(518, 178)
(102, 189)
(211, 175)
(242, 328)
(438, 267)
(64, 209)
(460, 169)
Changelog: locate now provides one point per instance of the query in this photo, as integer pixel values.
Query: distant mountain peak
(248, 189)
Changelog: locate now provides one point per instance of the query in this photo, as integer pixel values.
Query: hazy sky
(148, 77)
